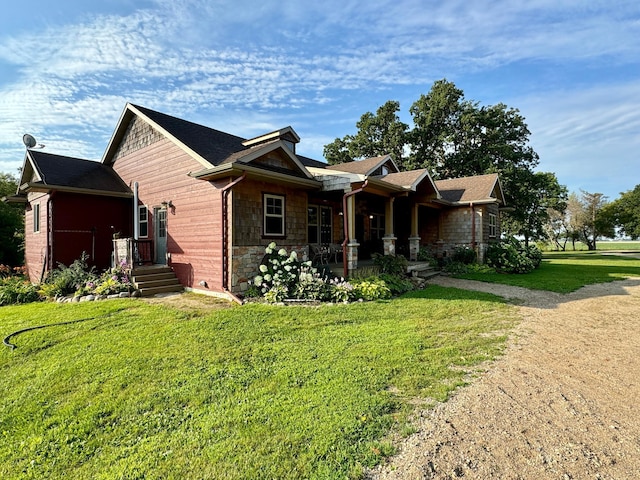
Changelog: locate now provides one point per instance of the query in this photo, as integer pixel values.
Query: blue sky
(572, 68)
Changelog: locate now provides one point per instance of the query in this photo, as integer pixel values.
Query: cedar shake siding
(194, 225)
(248, 239)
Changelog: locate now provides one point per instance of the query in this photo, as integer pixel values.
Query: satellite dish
(29, 141)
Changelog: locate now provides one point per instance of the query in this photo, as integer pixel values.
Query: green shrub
(398, 284)
(67, 280)
(392, 264)
(371, 289)
(279, 269)
(534, 254)
(365, 272)
(340, 291)
(17, 290)
(112, 281)
(464, 255)
(512, 257)
(455, 267)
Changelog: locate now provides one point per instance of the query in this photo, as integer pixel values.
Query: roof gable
(208, 146)
(368, 166)
(274, 155)
(288, 135)
(57, 172)
(411, 179)
(477, 189)
(213, 148)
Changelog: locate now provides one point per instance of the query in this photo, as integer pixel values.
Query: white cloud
(241, 65)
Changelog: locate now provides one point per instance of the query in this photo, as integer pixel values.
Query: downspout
(473, 226)
(49, 250)
(136, 213)
(225, 234)
(345, 220)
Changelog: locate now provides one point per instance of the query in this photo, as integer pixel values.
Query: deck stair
(422, 270)
(153, 279)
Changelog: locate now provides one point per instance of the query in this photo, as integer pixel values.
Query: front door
(160, 215)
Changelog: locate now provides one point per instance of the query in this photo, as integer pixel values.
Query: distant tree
(625, 212)
(573, 218)
(543, 194)
(556, 229)
(592, 221)
(11, 224)
(379, 134)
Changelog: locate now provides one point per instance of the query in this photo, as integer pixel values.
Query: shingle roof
(405, 179)
(361, 167)
(468, 189)
(212, 145)
(215, 146)
(310, 162)
(71, 172)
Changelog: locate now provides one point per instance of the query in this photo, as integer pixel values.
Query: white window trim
(493, 225)
(265, 215)
(140, 221)
(36, 218)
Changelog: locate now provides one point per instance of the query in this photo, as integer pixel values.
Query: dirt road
(562, 403)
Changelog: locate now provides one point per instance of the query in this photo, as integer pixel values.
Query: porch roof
(467, 190)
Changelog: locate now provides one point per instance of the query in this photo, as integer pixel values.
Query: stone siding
(246, 262)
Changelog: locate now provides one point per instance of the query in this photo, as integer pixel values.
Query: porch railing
(132, 252)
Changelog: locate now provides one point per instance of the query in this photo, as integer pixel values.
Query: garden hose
(12, 346)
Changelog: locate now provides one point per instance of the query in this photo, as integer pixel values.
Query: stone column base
(389, 245)
(414, 248)
(352, 256)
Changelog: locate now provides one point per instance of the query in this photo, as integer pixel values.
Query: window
(143, 221)
(36, 217)
(273, 215)
(319, 225)
(313, 224)
(377, 226)
(493, 225)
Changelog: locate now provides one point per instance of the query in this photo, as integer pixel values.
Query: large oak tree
(456, 137)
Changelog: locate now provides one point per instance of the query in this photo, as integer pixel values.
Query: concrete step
(428, 273)
(150, 277)
(151, 291)
(151, 280)
(166, 282)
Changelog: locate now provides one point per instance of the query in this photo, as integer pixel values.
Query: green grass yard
(149, 391)
(565, 272)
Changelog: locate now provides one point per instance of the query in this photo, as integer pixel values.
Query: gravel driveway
(562, 403)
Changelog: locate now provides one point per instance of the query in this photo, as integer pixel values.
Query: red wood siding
(86, 223)
(70, 224)
(35, 242)
(194, 223)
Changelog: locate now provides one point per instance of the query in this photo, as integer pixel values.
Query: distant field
(605, 245)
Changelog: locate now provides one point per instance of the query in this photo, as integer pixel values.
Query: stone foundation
(245, 263)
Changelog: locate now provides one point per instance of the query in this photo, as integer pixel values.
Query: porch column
(414, 239)
(352, 245)
(389, 239)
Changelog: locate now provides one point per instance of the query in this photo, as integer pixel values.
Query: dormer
(287, 135)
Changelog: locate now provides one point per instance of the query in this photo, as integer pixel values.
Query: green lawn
(604, 245)
(149, 391)
(565, 272)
